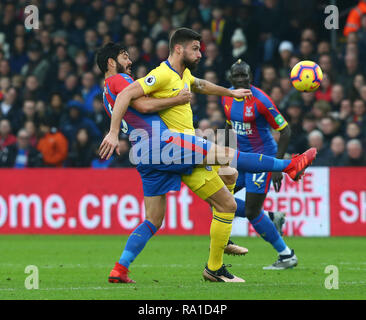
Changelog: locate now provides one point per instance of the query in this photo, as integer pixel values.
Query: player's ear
(111, 62)
(180, 49)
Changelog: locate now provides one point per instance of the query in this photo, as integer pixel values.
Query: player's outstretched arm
(124, 98)
(148, 104)
(207, 87)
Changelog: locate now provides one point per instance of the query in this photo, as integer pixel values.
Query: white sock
(285, 252)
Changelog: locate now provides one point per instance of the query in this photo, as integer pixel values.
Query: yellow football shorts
(204, 181)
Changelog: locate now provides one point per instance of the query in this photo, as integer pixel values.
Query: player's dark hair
(182, 36)
(239, 63)
(110, 50)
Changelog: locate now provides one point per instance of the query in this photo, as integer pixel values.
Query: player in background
(171, 76)
(252, 120)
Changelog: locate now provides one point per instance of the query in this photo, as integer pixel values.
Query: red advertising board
(348, 201)
(327, 202)
(87, 201)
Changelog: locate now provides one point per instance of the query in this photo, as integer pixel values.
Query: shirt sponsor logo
(242, 128)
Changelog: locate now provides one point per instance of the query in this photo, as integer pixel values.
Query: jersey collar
(170, 66)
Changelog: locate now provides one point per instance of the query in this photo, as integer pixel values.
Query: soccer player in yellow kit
(165, 81)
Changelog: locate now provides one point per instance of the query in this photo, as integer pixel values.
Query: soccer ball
(306, 76)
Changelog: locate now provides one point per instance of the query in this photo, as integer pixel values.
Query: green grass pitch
(170, 267)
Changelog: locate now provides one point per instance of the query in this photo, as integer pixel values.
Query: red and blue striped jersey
(252, 120)
(132, 119)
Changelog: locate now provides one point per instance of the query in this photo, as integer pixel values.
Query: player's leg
(223, 207)
(229, 176)
(205, 183)
(254, 162)
(154, 210)
(277, 217)
(155, 185)
(257, 186)
(267, 230)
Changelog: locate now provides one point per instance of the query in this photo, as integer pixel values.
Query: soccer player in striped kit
(252, 120)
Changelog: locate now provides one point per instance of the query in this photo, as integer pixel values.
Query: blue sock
(267, 230)
(240, 208)
(254, 162)
(136, 242)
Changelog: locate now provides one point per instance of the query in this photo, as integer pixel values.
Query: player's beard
(191, 65)
(121, 69)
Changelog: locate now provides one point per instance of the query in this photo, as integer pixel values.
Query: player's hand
(277, 180)
(241, 93)
(184, 96)
(109, 144)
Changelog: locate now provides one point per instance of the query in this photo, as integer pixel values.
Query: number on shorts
(259, 179)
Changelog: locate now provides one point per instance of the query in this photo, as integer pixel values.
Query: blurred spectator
(272, 22)
(77, 35)
(37, 66)
(89, 90)
(18, 56)
(359, 112)
(294, 118)
(321, 109)
(32, 89)
(52, 144)
(353, 131)
(326, 64)
(337, 148)
(358, 82)
(345, 112)
(307, 50)
(308, 100)
(316, 140)
(6, 136)
(325, 90)
(277, 96)
(122, 160)
(179, 13)
(148, 55)
(31, 128)
(56, 111)
(354, 18)
(162, 51)
(211, 60)
(269, 78)
(28, 112)
(330, 128)
(5, 70)
(99, 116)
(74, 120)
(285, 50)
(240, 49)
(351, 68)
(82, 151)
(9, 110)
(336, 95)
(355, 155)
(20, 154)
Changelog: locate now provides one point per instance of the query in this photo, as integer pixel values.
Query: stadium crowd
(51, 106)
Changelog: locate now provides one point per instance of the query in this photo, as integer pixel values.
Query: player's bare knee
(228, 206)
(229, 175)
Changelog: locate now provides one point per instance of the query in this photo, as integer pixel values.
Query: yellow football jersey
(165, 82)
